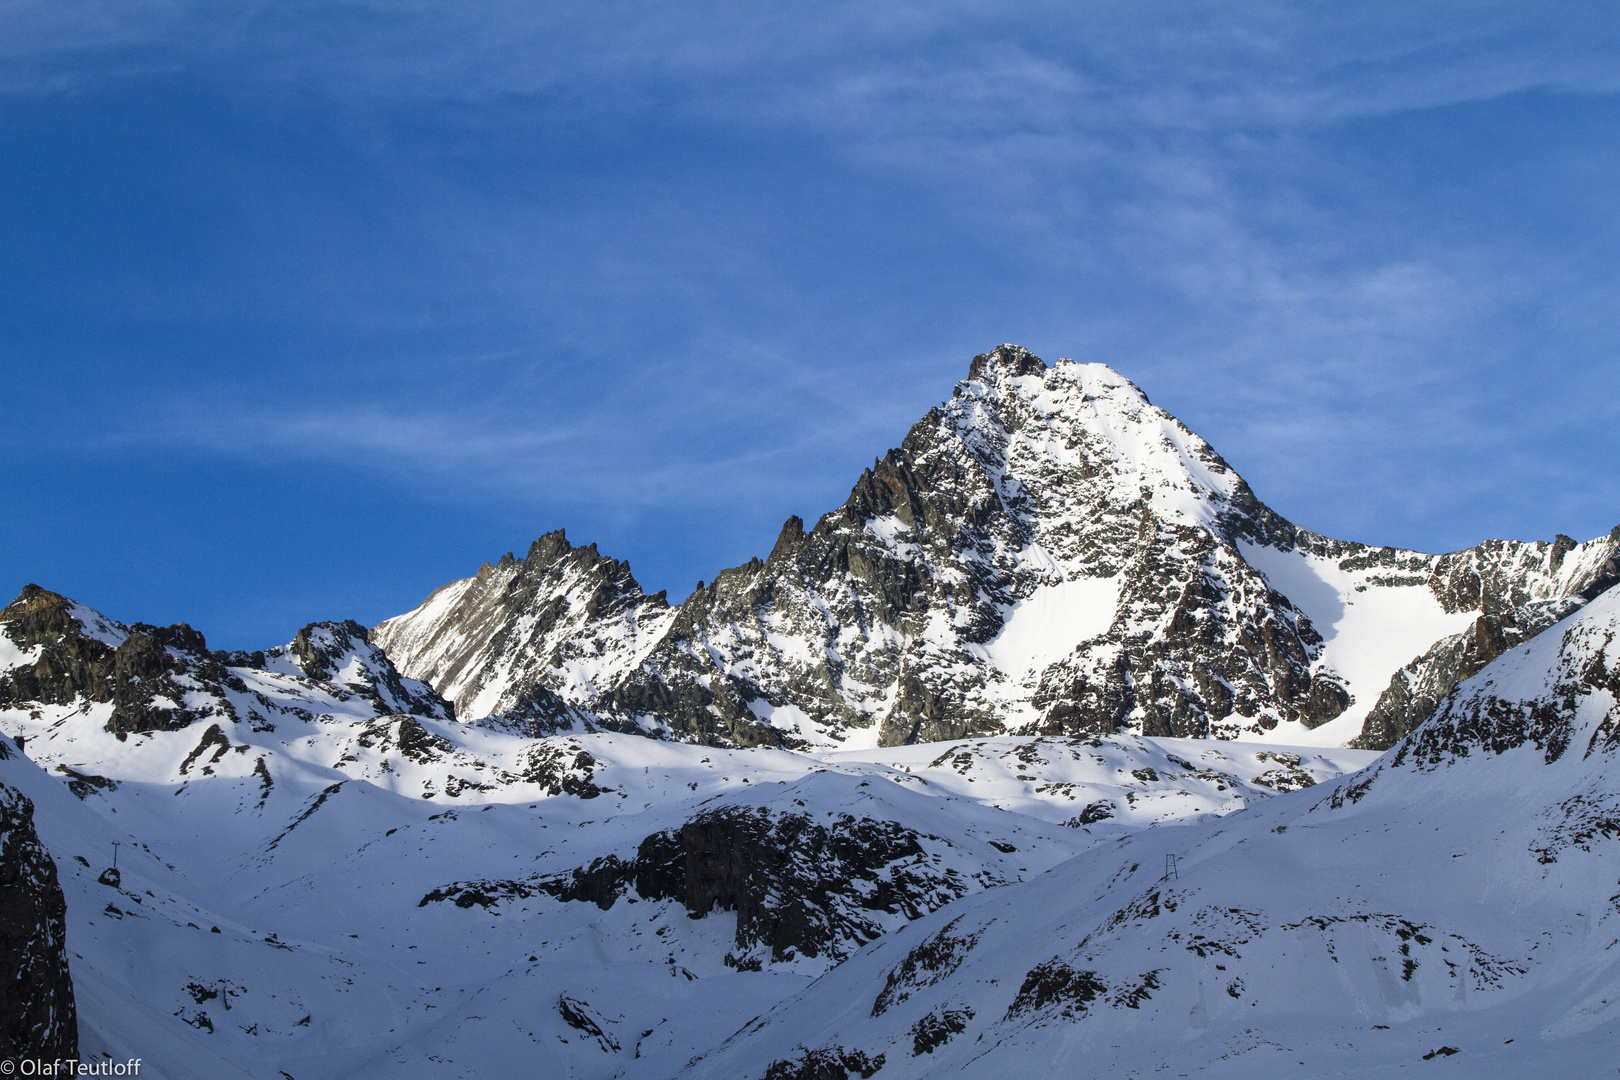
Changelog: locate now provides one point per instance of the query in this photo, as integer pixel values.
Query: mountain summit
(1045, 552)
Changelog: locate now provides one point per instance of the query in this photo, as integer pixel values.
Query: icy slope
(1046, 552)
(1451, 909)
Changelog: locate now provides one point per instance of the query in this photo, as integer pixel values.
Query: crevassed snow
(1370, 630)
(1051, 623)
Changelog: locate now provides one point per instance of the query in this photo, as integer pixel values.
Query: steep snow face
(1449, 909)
(1046, 552)
(1380, 610)
(398, 891)
(1371, 624)
(1050, 623)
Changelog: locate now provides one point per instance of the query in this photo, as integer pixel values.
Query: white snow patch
(1052, 623)
(11, 656)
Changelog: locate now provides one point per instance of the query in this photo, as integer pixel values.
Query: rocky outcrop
(158, 678)
(37, 1016)
(340, 654)
(798, 885)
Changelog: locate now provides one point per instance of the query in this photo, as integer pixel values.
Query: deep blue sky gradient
(307, 309)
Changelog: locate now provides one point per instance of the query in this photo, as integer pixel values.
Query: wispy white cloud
(1164, 151)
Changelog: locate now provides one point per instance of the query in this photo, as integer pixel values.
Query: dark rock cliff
(37, 1016)
(798, 885)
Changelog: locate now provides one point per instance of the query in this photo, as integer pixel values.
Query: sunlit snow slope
(313, 885)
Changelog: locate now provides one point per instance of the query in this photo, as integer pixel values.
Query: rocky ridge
(164, 678)
(1046, 552)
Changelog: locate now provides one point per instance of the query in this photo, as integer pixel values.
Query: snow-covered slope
(1450, 909)
(399, 893)
(1046, 552)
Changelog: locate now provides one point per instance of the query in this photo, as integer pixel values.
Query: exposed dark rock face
(37, 1016)
(70, 664)
(937, 1028)
(934, 960)
(798, 886)
(561, 770)
(579, 1016)
(1056, 985)
(825, 1063)
(407, 735)
(159, 678)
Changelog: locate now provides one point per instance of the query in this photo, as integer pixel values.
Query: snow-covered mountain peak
(1045, 552)
(1087, 430)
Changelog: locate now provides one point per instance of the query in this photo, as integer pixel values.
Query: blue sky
(306, 309)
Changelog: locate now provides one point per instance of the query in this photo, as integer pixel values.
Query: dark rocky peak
(552, 558)
(1005, 361)
(41, 617)
(38, 617)
(178, 636)
(790, 539)
(82, 656)
(319, 646)
(553, 547)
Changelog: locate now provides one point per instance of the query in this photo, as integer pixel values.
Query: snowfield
(379, 880)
